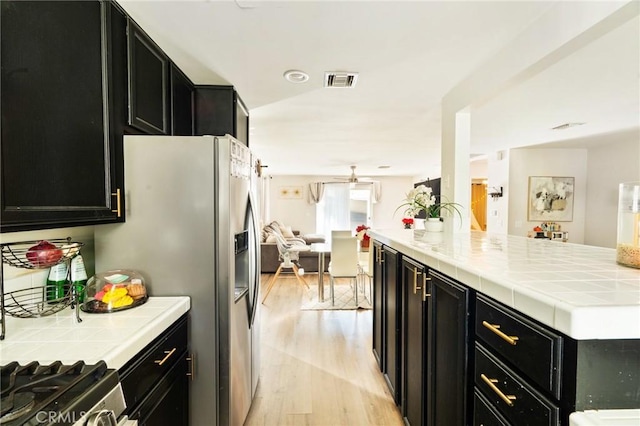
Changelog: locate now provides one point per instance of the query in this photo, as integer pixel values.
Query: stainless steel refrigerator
(192, 229)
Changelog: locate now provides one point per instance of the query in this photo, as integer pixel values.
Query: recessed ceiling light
(296, 76)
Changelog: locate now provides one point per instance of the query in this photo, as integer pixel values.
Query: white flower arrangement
(421, 198)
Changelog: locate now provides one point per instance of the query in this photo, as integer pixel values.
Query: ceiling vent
(340, 80)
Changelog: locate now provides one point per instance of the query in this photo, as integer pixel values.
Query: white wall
(546, 162)
(301, 214)
(498, 208)
(608, 165)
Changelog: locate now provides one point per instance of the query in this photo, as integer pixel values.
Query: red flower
(361, 232)
(407, 221)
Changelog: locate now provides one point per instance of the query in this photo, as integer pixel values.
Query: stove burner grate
(15, 406)
(32, 388)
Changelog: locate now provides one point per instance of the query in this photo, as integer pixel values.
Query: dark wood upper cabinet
(56, 146)
(181, 103)
(148, 83)
(220, 111)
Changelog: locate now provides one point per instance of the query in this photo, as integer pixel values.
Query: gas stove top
(35, 394)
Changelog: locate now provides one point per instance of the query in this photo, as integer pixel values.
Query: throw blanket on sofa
(285, 232)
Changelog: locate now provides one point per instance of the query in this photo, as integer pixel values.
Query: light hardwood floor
(317, 366)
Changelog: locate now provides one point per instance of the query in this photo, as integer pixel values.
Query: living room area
(598, 166)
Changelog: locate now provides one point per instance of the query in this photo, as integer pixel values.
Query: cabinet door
(449, 352)
(414, 334)
(168, 402)
(392, 321)
(242, 121)
(214, 110)
(181, 103)
(148, 83)
(378, 305)
(56, 148)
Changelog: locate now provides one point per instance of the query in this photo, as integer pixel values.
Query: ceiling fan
(354, 178)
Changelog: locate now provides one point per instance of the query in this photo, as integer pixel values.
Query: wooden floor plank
(317, 366)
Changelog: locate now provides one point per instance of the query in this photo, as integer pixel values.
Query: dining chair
(365, 266)
(344, 263)
(288, 253)
(341, 233)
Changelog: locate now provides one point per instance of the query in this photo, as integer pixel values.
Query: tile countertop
(114, 338)
(576, 289)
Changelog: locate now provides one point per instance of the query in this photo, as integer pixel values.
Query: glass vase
(628, 244)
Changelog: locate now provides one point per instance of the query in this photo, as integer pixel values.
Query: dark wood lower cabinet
(393, 309)
(484, 414)
(414, 337)
(156, 381)
(435, 348)
(168, 403)
(449, 352)
(378, 305)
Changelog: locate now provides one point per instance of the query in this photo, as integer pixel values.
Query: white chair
(288, 253)
(365, 264)
(341, 233)
(344, 263)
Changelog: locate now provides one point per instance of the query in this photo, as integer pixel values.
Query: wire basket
(33, 302)
(15, 254)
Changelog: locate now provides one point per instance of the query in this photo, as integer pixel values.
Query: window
(343, 206)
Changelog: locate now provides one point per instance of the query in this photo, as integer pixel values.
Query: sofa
(270, 257)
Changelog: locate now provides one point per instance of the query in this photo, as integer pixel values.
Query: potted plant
(421, 199)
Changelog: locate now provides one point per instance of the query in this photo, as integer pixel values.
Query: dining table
(321, 249)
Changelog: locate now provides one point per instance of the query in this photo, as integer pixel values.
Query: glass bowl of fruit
(114, 291)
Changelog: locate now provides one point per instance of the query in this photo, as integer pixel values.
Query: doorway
(479, 205)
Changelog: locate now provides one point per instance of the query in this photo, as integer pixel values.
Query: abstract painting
(551, 198)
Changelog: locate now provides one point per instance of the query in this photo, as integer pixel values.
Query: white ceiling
(408, 55)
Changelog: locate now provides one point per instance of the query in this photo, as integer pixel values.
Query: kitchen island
(524, 328)
(576, 289)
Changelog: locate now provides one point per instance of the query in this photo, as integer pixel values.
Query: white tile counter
(605, 418)
(576, 289)
(114, 338)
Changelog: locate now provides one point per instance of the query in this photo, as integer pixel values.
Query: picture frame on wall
(290, 192)
(550, 198)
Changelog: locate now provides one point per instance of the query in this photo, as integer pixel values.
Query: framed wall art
(550, 198)
(290, 192)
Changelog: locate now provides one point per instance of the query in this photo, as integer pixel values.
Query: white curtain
(332, 212)
(265, 182)
(316, 192)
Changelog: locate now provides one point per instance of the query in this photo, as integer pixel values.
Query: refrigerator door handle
(255, 260)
